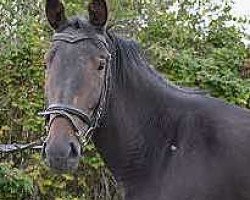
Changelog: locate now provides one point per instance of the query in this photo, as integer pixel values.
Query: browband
(69, 38)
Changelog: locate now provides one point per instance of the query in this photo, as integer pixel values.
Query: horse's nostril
(73, 150)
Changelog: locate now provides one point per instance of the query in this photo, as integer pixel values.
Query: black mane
(133, 57)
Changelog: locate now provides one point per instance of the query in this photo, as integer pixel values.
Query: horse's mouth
(61, 165)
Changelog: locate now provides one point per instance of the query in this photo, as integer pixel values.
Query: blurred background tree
(192, 43)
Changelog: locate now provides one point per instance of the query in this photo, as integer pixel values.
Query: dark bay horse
(161, 142)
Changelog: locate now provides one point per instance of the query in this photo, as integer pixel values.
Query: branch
(12, 148)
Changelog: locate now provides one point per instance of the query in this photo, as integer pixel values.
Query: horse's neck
(134, 143)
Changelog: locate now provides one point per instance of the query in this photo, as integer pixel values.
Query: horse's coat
(166, 143)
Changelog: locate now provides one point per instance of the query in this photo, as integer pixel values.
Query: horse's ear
(55, 13)
(98, 12)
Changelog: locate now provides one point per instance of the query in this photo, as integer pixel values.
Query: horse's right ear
(55, 13)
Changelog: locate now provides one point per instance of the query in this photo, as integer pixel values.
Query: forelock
(78, 24)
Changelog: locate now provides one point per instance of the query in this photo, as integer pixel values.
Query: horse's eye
(102, 64)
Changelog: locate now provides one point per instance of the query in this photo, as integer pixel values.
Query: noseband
(71, 113)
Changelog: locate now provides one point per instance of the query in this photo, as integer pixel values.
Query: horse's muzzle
(68, 162)
(62, 164)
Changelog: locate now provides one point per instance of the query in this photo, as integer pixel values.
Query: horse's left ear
(98, 12)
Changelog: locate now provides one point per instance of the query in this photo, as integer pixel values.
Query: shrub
(14, 184)
(195, 53)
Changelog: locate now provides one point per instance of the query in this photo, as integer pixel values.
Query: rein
(71, 113)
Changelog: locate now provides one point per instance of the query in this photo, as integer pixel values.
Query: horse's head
(76, 82)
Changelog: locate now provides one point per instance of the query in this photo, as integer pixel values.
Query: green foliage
(14, 184)
(192, 52)
(21, 68)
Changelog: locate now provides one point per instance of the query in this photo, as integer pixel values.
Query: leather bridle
(71, 113)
